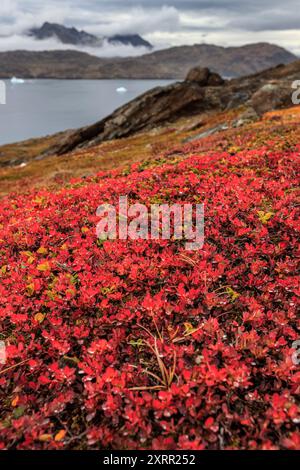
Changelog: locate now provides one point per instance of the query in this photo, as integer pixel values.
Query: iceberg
(121, 90)
(17, 80)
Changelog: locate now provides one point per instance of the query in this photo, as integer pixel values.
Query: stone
(204, 77)
(208, 133)
(246, 117)
(273, 95)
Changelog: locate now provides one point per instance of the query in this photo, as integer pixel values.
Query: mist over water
(41, 107)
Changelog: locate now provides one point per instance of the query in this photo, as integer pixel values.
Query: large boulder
(204, 77)
(272, 95)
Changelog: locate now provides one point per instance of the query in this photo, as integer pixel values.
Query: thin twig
(13, 367)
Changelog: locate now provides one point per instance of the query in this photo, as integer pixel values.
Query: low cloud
(16, 20)
(20, 42)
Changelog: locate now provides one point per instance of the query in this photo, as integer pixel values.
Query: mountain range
(172, 63)
(75, 37)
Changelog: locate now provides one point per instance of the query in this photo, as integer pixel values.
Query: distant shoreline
(165, 64)
(94, 79)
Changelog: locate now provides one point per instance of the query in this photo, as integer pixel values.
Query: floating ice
(17, 80)
(122, 89)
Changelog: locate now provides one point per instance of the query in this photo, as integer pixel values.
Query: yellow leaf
(45, 437)
(85, 229)
(72, 292)
(4, 269)
(27, 253)
(43, 267)
(264, 217)
(234, 295)
(189, 329)
(15, 401)
(30, 257)
(51, 295)
(42, 250)
(39, 317)
(60, 435)
(30, 289)
(39, 200)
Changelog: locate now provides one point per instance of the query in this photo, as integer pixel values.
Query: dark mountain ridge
(75, 37)
(130, 40)
(63, 34)
(172, 63)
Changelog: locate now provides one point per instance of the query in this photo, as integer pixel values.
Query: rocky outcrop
(272, 95)
(204, 77)
(150, 110)
(202, 91)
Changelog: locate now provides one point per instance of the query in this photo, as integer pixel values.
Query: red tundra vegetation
(141, 344)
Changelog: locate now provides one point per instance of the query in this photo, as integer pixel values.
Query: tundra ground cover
(141, 344)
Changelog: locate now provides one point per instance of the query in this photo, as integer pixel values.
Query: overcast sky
(164, 23)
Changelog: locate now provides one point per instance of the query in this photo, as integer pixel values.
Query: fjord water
(41, 107)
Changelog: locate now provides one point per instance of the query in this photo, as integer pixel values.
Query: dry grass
(165, 375)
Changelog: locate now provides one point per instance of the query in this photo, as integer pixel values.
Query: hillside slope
(141, 344)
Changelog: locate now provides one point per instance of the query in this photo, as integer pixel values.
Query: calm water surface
(41, 107)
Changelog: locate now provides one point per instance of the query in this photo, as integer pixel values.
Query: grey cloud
(163, 22)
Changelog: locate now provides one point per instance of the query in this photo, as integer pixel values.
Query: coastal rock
(153, 108)
(204, 77)
(202, 91)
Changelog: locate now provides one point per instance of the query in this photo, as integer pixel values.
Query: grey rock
(209, 132)
(204, 77)
(271, 96)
